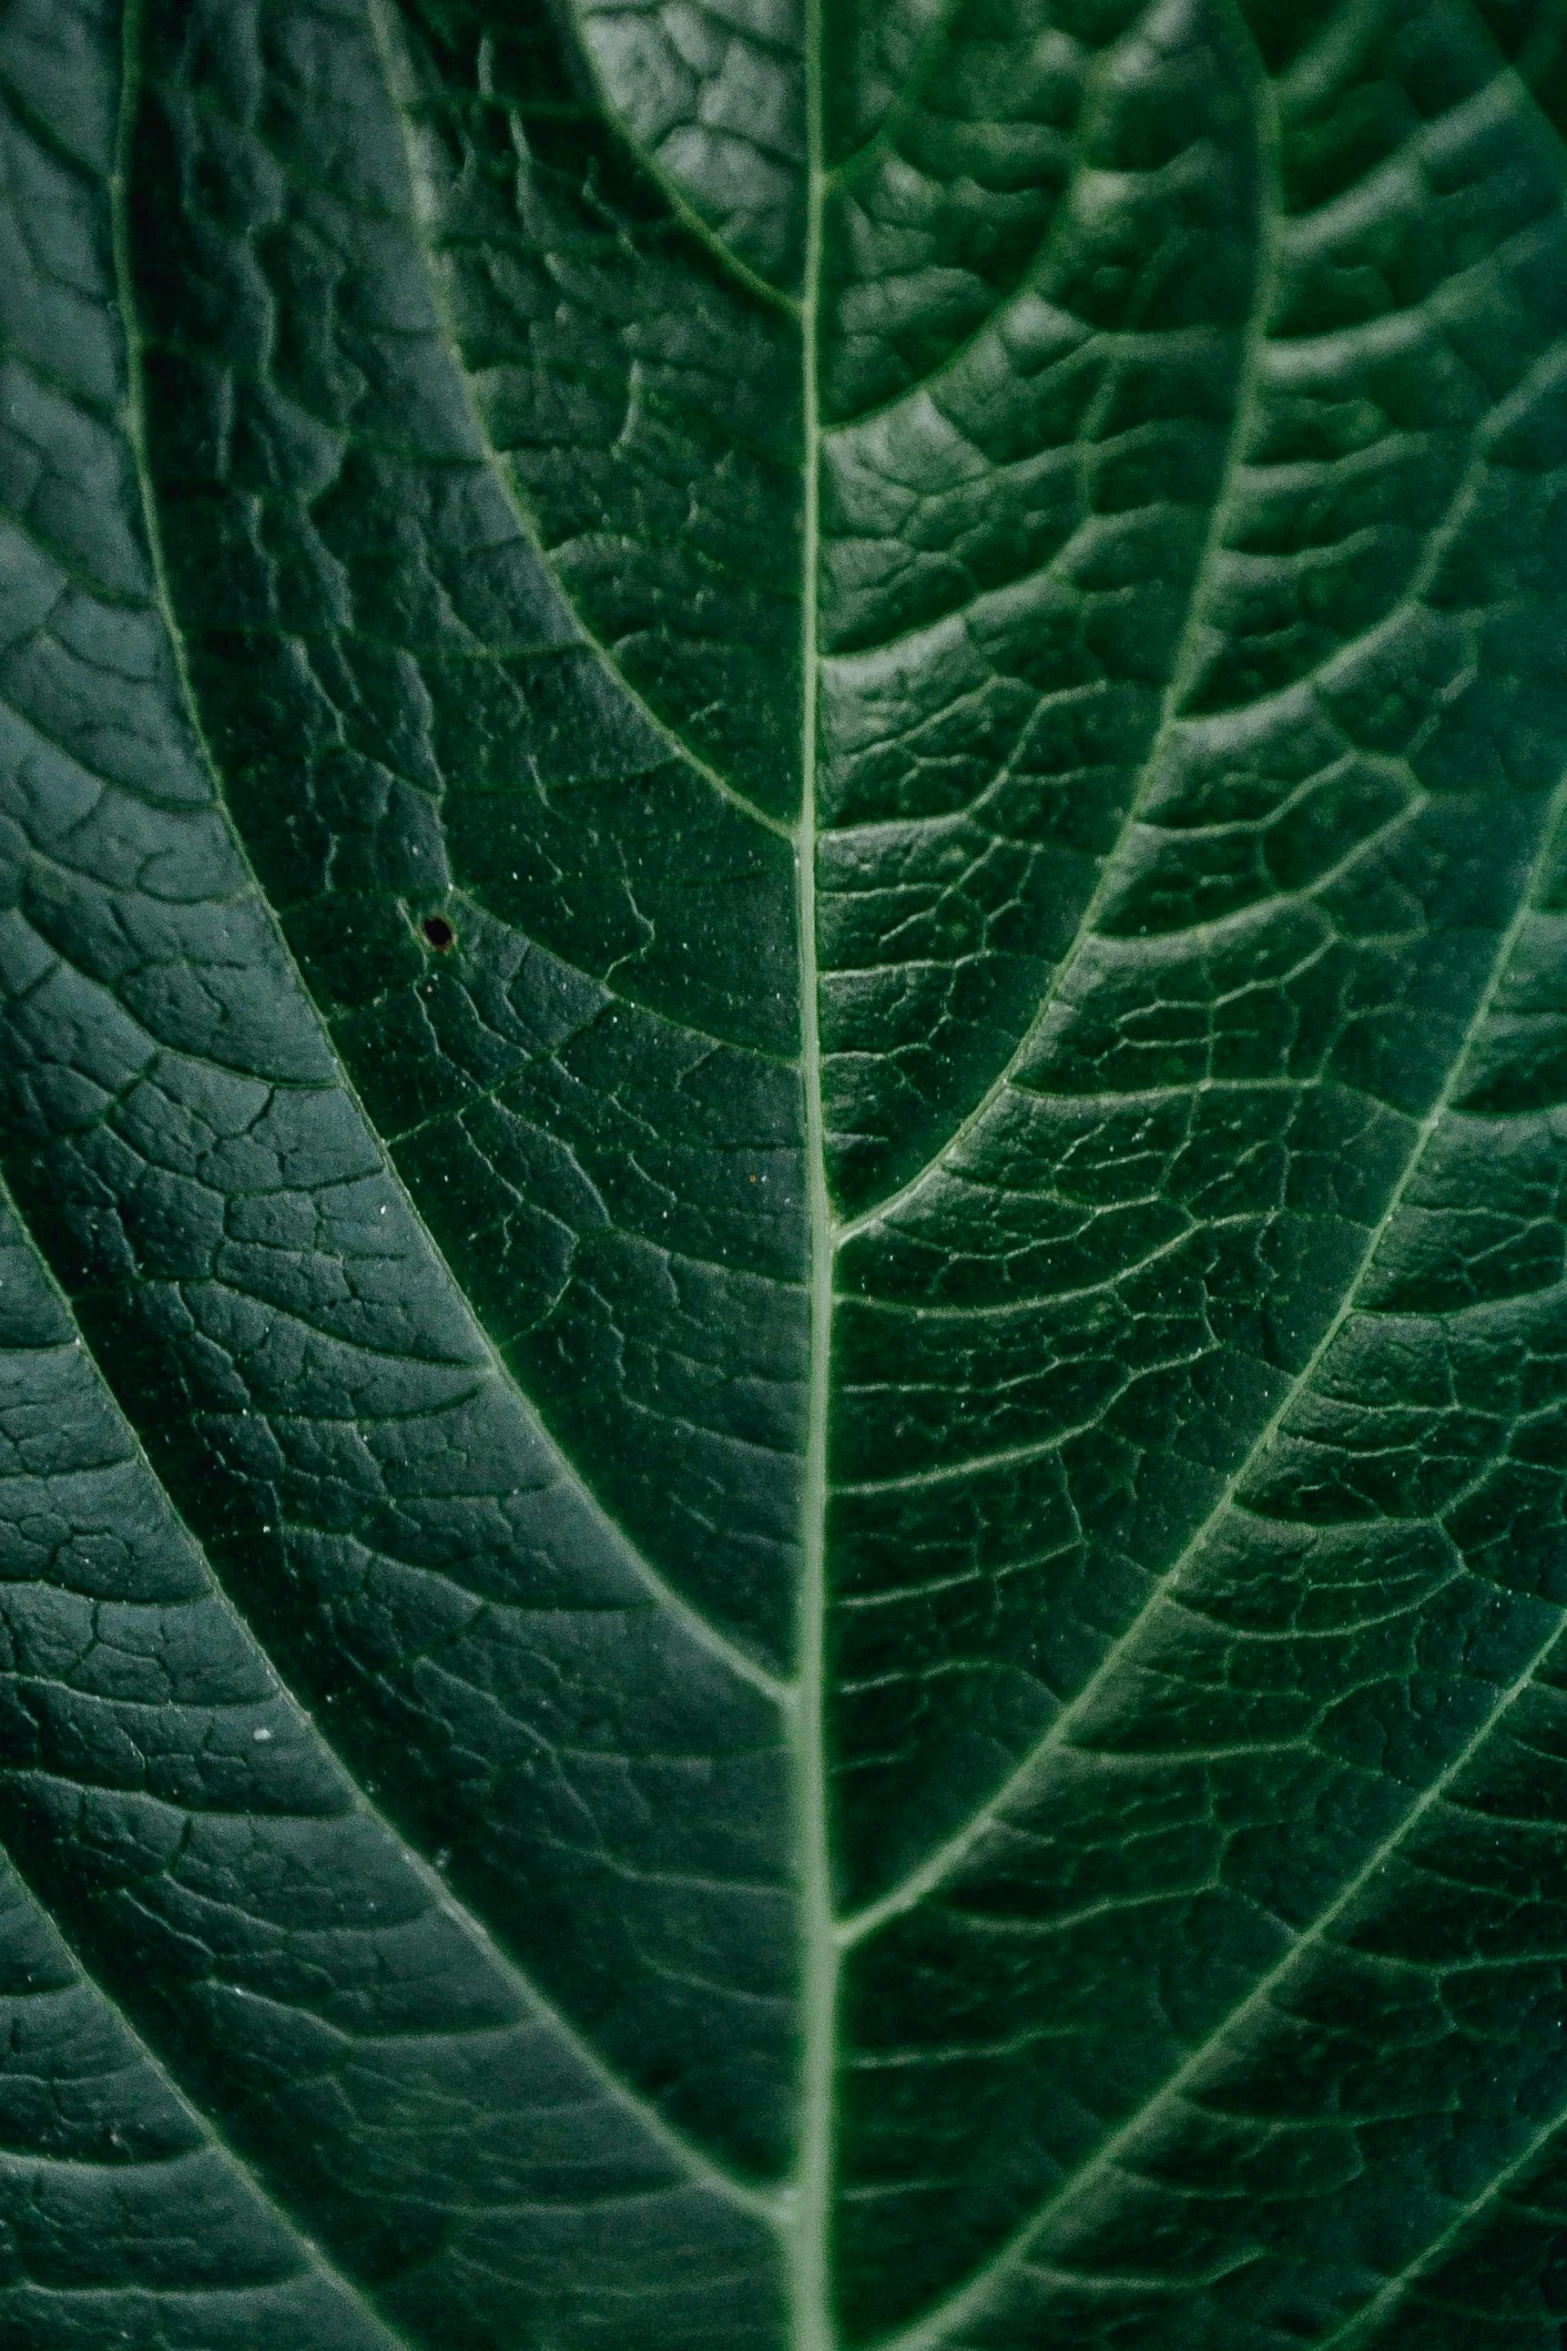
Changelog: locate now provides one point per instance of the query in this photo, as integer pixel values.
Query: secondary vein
(1176, 686)
(689, 2156)
(310, 2255)
(935, 2329)
(947, 1858)
(684, 2152)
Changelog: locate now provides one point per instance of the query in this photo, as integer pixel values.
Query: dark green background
(811, 1597)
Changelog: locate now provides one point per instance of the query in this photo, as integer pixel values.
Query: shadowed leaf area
(783, 1175)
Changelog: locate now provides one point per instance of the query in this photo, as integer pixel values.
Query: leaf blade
(1157, 1512)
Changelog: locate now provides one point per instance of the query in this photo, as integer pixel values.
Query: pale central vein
(812, 2327)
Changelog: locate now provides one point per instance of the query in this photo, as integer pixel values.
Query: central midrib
(812, 2326)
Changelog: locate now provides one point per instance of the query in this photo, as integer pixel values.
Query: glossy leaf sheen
(783, 1106)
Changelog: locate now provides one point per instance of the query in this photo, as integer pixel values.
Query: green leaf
(783, 1118)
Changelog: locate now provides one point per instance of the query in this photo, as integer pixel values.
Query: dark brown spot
(438, 933)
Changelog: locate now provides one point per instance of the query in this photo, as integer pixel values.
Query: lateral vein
(385, 48)
(684, 2151)
(700, 1628)
(690, 2157)
(931, 2331)
(940, 1865)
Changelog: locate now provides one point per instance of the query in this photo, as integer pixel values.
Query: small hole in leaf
(438, 933)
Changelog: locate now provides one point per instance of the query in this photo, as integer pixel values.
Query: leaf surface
(783, 1094)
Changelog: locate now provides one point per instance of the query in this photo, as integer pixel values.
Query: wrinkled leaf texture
(783, 943)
